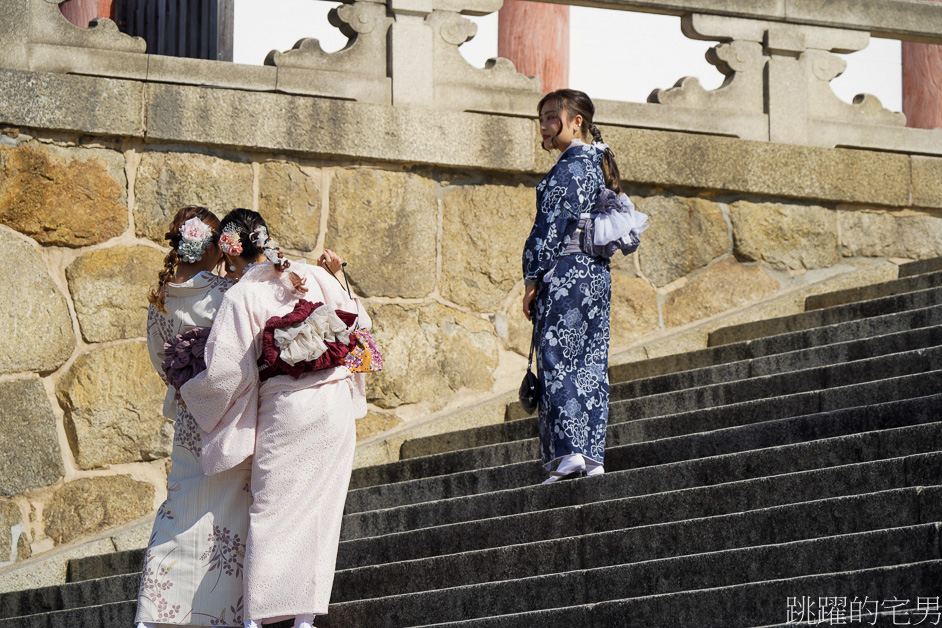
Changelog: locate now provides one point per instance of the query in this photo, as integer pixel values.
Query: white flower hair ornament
(269, 247)
(229, 240)
(196, 236)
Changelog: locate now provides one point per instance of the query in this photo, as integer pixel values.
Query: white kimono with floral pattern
(300, 434)
(194, 561)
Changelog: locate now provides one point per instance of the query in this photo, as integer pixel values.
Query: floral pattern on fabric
(193, 566)
(155, 583)
(187, 434)
(226, 553)
(572, 311)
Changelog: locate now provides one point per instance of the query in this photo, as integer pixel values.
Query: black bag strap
(346, 284)
(532, 342)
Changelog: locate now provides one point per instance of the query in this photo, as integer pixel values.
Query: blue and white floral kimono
(572, 308)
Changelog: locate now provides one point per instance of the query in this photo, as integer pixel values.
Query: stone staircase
(794, 459)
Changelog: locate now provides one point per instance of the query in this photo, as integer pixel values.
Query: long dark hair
(576, 103)
(158, 295)
(248, 224)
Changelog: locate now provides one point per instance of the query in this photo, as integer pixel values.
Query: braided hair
(157, 296)
(252, 233)
(576, 103)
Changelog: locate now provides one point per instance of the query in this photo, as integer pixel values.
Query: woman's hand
(330, 261)
(528, 295)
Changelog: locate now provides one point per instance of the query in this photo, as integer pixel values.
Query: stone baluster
(411, 52)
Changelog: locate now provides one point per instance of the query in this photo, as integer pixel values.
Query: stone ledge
(345, 130)
(50, 568)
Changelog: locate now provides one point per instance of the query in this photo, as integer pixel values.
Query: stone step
(760, 604)
(98, 591)
(765, 347)
(802, 521)
(838, 353)
(765, 602)
(755, 436)
(491, 479)
(860, 551)
(818, 389)
(825, 316)
(111, 615)
(874, 291)
(819, 518)
(103, 565)
(921, 266)
(833, 468)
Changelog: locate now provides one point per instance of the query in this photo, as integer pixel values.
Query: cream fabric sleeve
(224, 398)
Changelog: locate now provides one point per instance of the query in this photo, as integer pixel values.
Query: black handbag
(530, 387)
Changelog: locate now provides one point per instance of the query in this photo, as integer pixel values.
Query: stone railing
(778, 57)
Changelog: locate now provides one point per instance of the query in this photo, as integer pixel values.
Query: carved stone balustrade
(778, 57)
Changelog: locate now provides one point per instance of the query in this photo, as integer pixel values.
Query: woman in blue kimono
(568, 293)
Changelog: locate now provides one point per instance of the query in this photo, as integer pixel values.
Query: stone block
(339, 129)
(14, 542)
(883, 234)
(429, 352)
(727, 284)
(165, 182)
(29, 445)
(290, 202)
(86, 104)
(484, 228)
(109, 289)
(634, 309)
(927, 181)
(39, 331)
(376, 423)
(786, 237)
(512, 326)
(685, 234)
(89, 505)
(63, 196)
(167, 69)
(689, 160)
(113, 402)
(386, 224)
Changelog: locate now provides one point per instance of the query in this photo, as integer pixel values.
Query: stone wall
(434, 249)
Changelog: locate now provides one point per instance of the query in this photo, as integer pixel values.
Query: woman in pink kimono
(193, 565)
(298, 427)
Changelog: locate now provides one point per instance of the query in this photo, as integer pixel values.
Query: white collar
(577, 142)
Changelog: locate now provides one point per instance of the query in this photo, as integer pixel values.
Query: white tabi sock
(570, 463)
(593, 468)
(251, 624)
(303, 621)
(144, 625)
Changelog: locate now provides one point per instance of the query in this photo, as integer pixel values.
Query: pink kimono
(300, 433)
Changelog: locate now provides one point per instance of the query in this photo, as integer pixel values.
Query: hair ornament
(261, 239)
(229, 241)
(195, 237)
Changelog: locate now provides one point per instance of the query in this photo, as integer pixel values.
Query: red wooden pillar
(535, 36)
(81, 12)
(922, 84)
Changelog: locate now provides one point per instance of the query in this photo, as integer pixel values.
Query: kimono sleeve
(223, 399)
(571, 191)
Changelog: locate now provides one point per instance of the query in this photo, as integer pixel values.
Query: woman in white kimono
(301, 431)
(193, 565)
